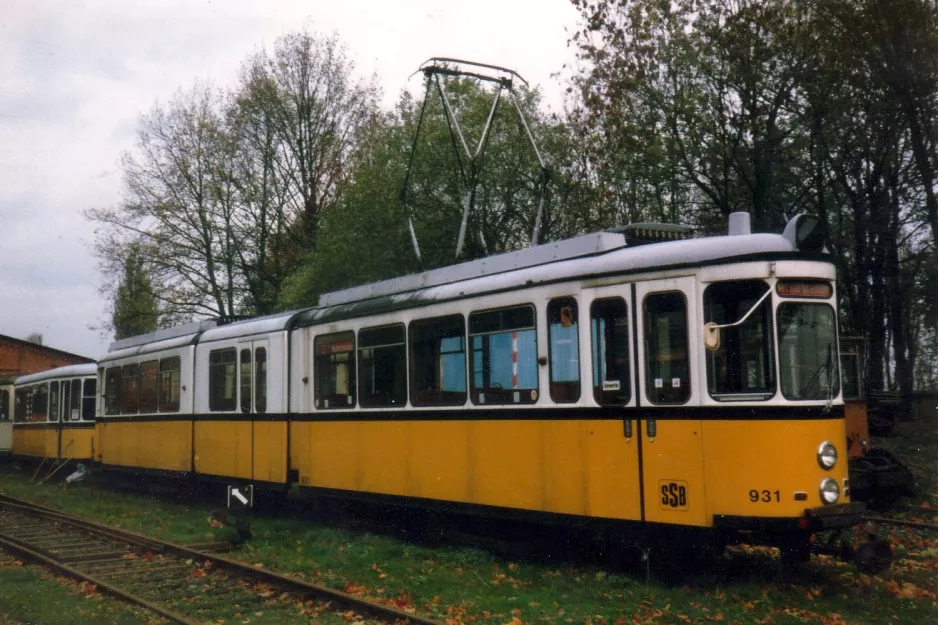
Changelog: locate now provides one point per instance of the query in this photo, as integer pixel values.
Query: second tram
(54, 414)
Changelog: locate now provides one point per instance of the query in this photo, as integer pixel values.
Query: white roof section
(71, 371)
(188, 329)
(663, 256)
(585, 245)
(149, 348)
(249, 327)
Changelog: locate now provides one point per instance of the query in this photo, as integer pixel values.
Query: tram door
(612, 371)
(268, 462)
(58, 414)
(670, 426)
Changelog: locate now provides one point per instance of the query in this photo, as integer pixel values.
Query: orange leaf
(86, 588)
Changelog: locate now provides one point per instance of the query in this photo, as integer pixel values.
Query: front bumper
(813, 520)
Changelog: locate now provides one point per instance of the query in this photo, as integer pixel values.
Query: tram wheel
(873, 557)
(794, 555)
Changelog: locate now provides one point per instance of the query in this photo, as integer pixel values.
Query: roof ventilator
(740, 223)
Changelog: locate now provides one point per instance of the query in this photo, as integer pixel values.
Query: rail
(102, 555)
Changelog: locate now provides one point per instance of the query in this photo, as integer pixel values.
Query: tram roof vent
(740, 223)
(644, 233)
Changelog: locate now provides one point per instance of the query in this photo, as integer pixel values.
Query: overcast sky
(75, 76)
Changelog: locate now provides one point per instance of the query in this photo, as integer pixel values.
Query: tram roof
(617, 260)
(248, 327)
(69, 371)
(187, 330)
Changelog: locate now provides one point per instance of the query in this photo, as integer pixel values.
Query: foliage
(223, 191)
(691, 110)
(364, 237)
(135, 309)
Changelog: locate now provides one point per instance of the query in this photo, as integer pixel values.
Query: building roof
(45, 348)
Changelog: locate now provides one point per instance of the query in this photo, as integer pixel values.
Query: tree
(311, 101)
(135, 308)
(177, 212)
(691, 110)
(35, 337)
(364, 236)
(223, 191)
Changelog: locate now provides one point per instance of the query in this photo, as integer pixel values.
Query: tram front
(776, 468)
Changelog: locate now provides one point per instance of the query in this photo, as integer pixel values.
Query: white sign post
(240, 497)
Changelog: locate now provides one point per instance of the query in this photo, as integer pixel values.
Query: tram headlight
(827, 455)
(830, 491)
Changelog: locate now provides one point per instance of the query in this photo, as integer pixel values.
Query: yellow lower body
(54, 443)
(681, 472)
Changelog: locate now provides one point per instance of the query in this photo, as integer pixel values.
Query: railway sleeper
(93, 556)
(112, 570)
(78, 545)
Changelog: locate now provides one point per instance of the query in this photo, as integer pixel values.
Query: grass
(552, 579)
(29, 594)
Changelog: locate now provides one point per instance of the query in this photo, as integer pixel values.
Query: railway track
(918, 513)
(179, 583)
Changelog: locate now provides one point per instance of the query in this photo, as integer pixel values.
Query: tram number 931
(673, 494)
(764, 496)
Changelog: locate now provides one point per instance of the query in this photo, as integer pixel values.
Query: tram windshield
(741, 368)
(808, 351)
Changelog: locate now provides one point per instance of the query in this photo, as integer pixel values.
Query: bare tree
(177, 210)
(317, 109)
(222, 192)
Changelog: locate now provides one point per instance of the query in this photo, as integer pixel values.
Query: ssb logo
(673, 494)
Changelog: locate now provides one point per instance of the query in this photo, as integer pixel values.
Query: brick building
(19, 357)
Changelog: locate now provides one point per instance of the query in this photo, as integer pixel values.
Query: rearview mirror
(711, 334)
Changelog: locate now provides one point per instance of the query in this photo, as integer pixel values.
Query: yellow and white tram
(54, 414)
(6, 418)
(676, 384)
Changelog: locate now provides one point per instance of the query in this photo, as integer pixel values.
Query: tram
(634, 379)
(54, 414)
(6, 418)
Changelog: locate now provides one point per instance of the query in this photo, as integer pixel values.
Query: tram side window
(335, 370)
(438, 361)
(40, 408)
(504, 356)
(149, 371)
(743, 366)
(130, 389)
(609, 321)
(260, 380)
(54, 399)
(61, 410)
(90, 387)
(74, 405)
(247, 377)
(23, 397)
(564, 345)
(382, 366)
(169, 384)
(112, 391)
(221, 380)
(4, 405)
(667, 372)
